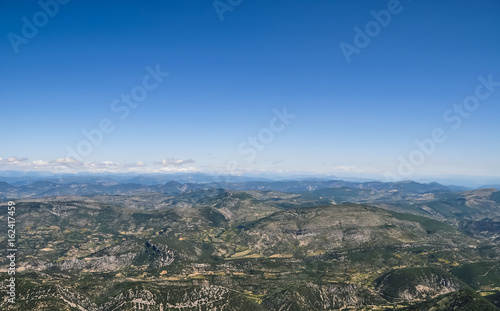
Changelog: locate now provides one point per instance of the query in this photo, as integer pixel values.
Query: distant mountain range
(22, 178)
(89, 186)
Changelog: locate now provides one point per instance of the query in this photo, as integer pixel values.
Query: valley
(255, 246)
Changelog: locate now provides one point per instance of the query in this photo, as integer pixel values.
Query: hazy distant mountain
(496, 186)
(90, 186)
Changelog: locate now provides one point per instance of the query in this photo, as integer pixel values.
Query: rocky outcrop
(412, 284)
(311, 297)
(91, 264)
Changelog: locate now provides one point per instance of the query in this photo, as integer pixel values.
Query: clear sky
(358, 101)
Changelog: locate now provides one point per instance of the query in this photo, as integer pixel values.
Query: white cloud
(174, 162)
(69, 165)
(66, 161)
(171, 165)
(40, 163)
(15, 160)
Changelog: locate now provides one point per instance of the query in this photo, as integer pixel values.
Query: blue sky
(226, 77)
